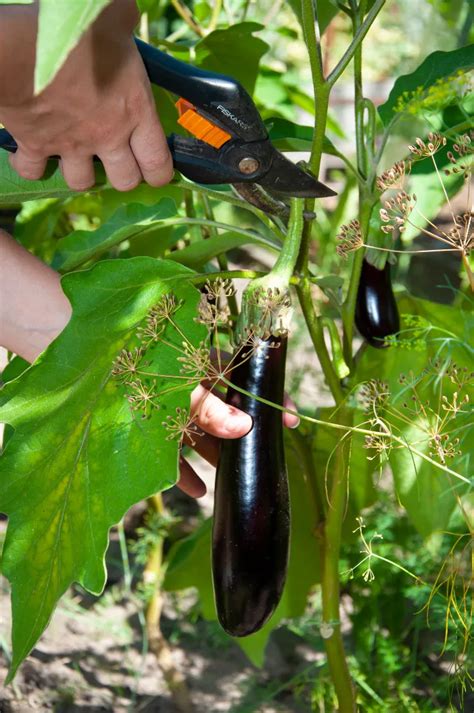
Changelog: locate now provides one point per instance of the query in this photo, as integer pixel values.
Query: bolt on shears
(229, 142)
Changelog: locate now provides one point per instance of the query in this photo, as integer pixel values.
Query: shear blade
(286, 179)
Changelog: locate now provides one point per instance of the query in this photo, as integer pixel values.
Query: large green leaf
(201, 251)
(435, 68)
(190, 562)
(60, 27)
(132, 221)
(79, 457)
(288, 136)
(129, 221)
(234, 51)
(14, 189)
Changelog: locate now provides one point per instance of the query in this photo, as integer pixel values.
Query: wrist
(33, 307)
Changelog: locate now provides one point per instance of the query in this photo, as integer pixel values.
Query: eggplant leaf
(79, 456)
(129, 221)
(60, 27)
(221, 51)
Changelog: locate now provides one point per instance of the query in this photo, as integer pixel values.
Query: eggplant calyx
(266, 309)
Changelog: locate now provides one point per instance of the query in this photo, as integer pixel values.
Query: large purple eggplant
(251, 510)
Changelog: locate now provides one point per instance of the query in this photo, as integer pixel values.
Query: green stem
(286, 262)
(330, 587)
(265, 300)
(315, 328)
(321, 104)
(362, 30)
(190, 211)
(340, 366)
(215, 15)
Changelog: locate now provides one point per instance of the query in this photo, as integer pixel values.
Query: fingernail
(295, 423)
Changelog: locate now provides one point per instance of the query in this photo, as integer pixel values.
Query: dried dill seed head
(213, 309)
(350, 238)
(181, 425)
(461, 157)
(211, 313)
(126, 364)
(143, 397)
(380, 443)
(269, 312)
(215, 289)
(151, 332)
(393, 177)
(396, 211)
(156, 318)
(374, 395)
(164, 308)
(443, 448)
(196, 361)
(423, 150)
(461, 235)
(459, 376)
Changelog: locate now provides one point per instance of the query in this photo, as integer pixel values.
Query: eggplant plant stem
(286, 262)
(315, 328)
(330, 588)
(321, 103)
(152, 576)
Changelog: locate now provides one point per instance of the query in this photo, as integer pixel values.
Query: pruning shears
(229, 142)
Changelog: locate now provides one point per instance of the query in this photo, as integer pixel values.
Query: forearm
(33, 307)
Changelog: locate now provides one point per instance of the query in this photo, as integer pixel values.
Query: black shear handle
(220, 97)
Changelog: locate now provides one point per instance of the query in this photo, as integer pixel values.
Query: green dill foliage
(444, 92)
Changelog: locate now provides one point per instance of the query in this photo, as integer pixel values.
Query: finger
(78, 172)
(205, 445)
(216, 417)
(189, 481)
(289, 419)
(121, 168)
(150, 148)
(28, 166)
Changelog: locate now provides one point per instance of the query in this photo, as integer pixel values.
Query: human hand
(214, 419)
(99, 104)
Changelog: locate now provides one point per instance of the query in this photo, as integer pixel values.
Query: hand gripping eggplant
(230, 142)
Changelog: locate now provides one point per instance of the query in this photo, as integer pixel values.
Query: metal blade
(287, 179)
